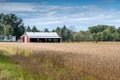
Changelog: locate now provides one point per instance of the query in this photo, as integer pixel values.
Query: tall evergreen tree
(34, 29)
(46, 30)
(21, 29)
(28, 29)
(58, 30)
(64, 33)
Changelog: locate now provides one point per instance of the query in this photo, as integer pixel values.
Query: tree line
(99, 33)
(11, 25)
(94, 33)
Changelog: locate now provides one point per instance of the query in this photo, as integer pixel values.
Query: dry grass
(68, 61)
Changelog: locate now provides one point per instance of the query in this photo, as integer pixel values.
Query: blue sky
(75, 14)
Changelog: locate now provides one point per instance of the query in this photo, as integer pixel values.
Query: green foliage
(21, 30)
(28, 29)
(118, 30)
(110, 29)
(9, 30)
(65, 33)
(34, 29)
(104, 33)
(46, 30)
(17, 27)
(82, 36)
(1, 29)
(94, 33)
(98, 28)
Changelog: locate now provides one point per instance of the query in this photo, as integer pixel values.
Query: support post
(45, 39)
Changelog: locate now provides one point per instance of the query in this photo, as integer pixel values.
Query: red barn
(40, 37)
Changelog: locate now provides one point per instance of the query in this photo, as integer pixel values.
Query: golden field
(67, 61)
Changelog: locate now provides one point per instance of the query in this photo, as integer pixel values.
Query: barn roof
(42, 35)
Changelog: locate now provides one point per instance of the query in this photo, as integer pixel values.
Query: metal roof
(42, 35)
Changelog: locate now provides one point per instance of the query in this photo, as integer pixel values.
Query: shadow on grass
(10, 69)
(5, 58)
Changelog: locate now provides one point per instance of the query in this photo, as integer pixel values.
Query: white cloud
(16, 7)
(48, 15)
(108, 0)
(42, 21)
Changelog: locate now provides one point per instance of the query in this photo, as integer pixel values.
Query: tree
(77, 37)
(34, 29)
(64, 34)
(118, 30)
(28, 29)
(82, 36)
(70, 35)
(14, 22)
(1, 29)
(21, 30)
(8, 31)
(98, 28)
(110, 29)
(46, 30)
(58, 30)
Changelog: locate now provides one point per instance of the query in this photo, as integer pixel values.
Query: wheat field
(82, 61)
